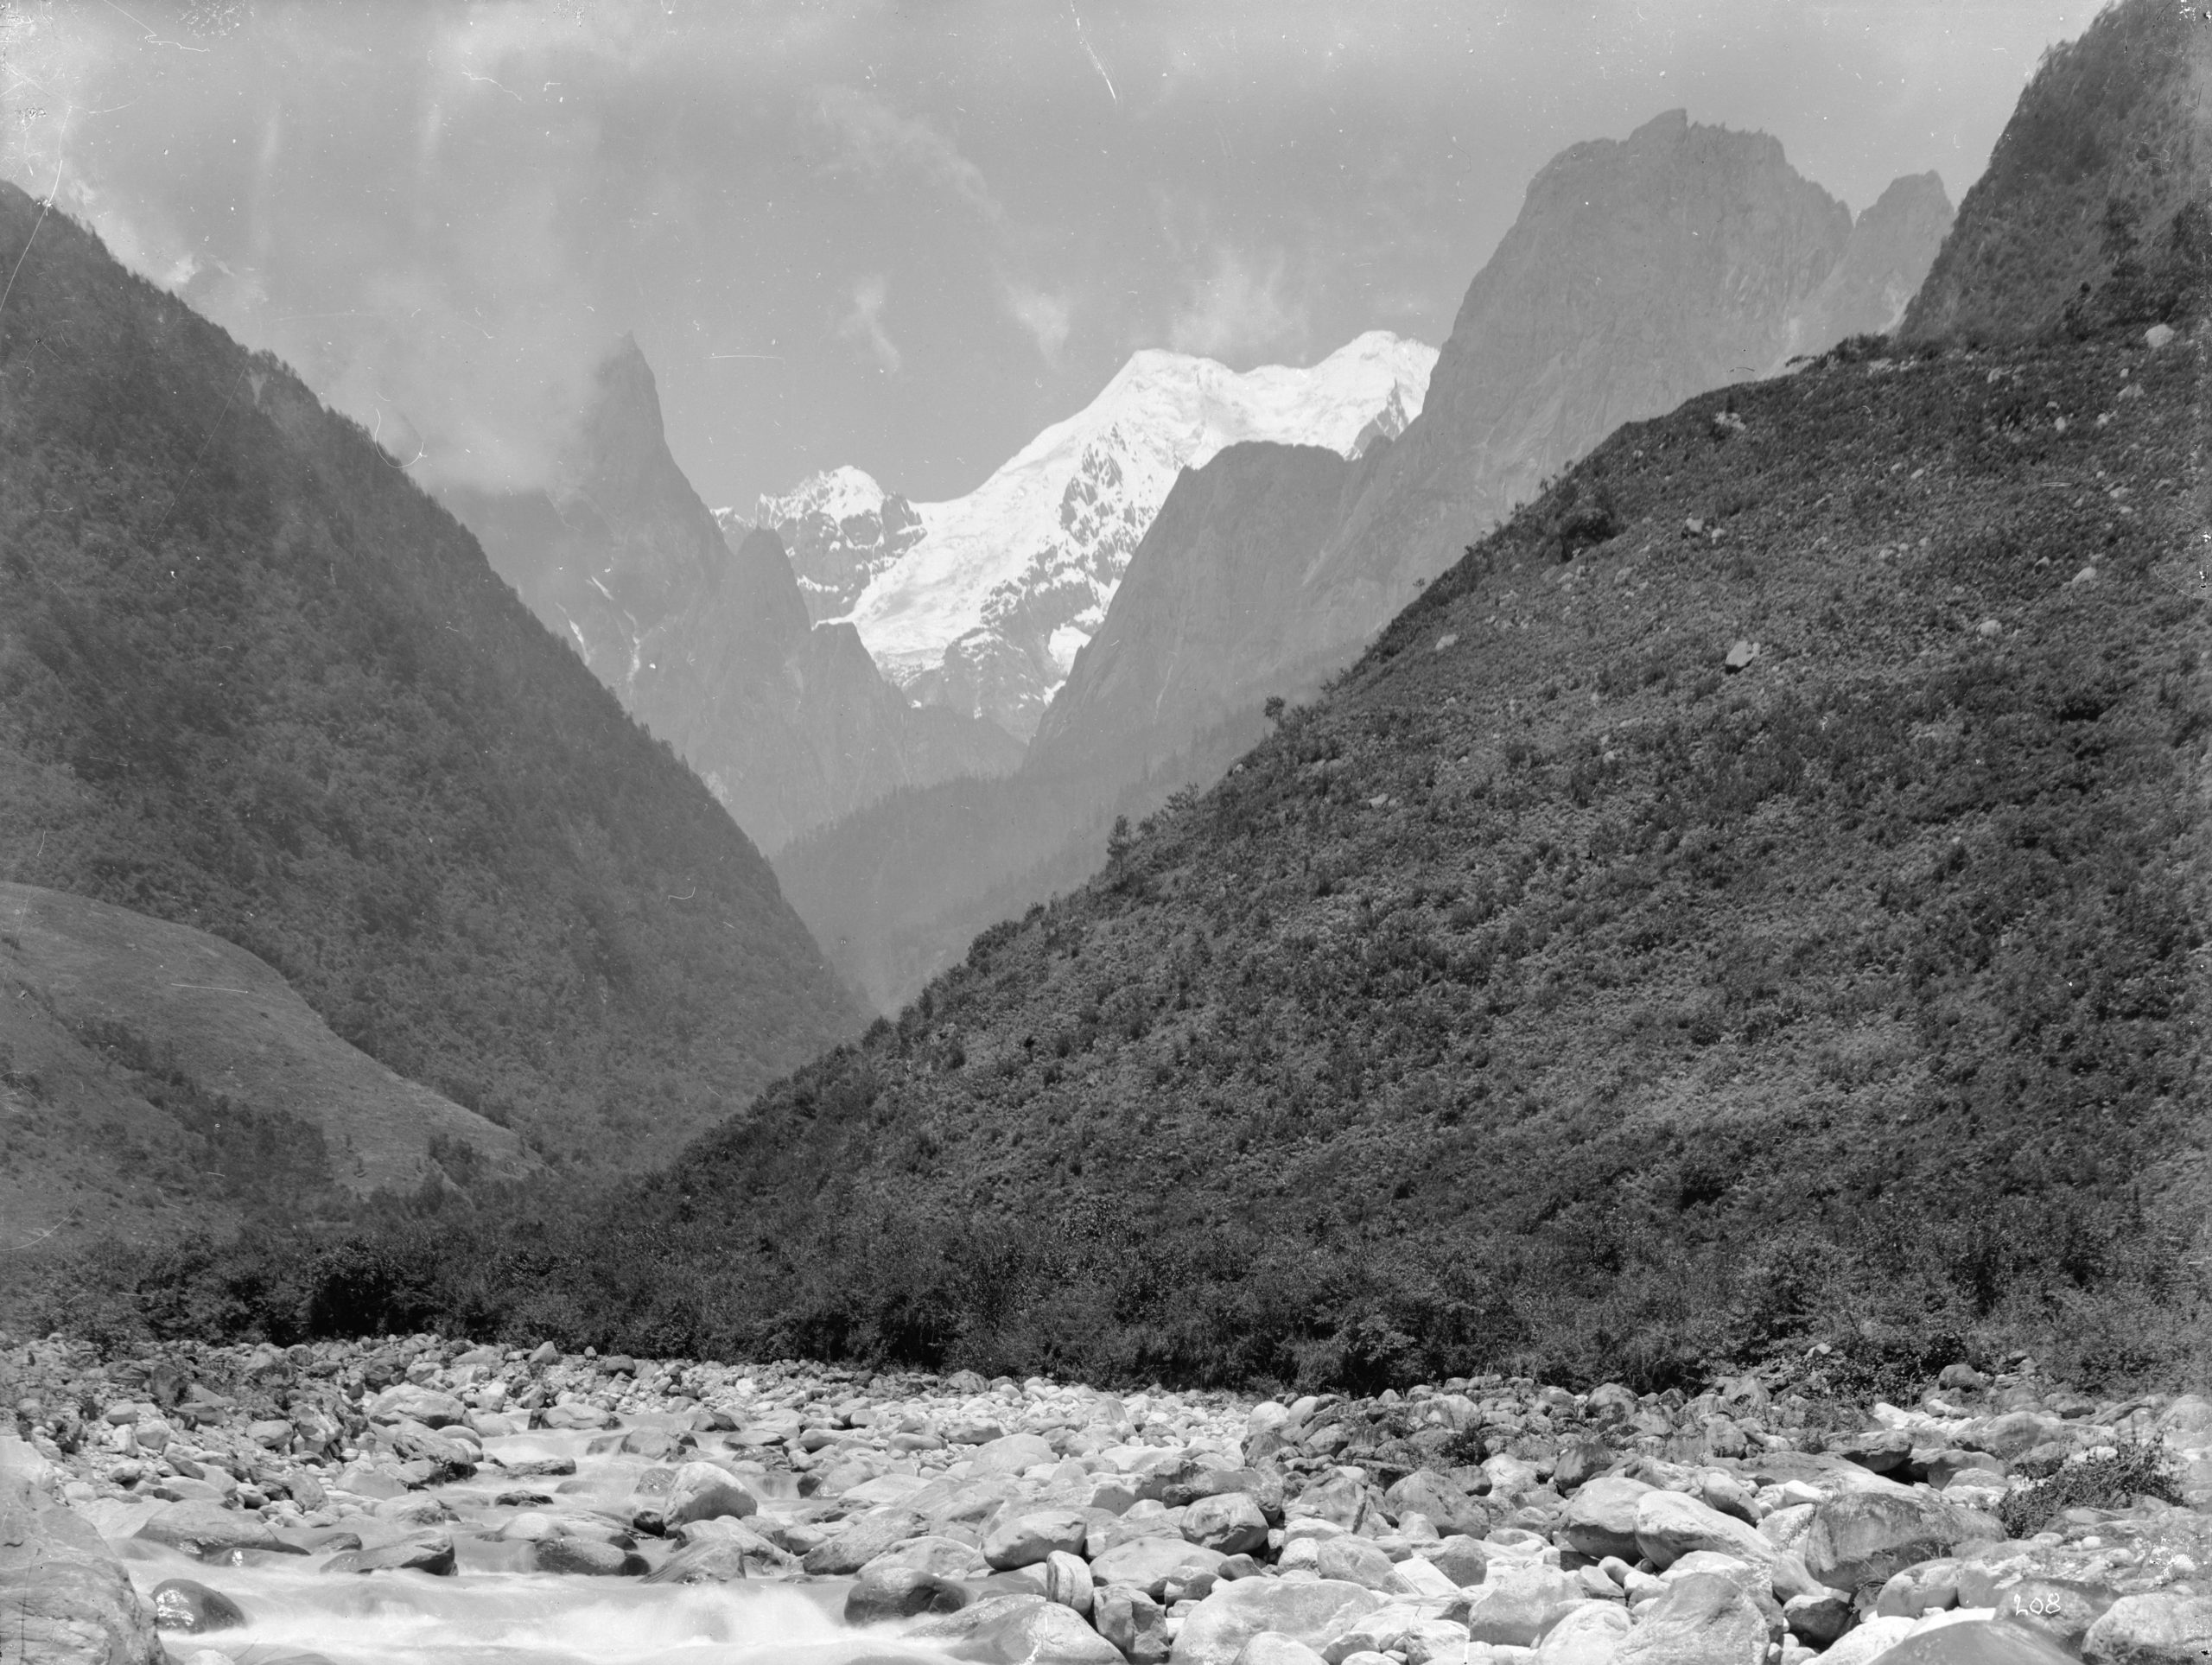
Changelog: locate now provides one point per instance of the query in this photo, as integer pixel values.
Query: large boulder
(884, 1591)
(1232, 1522)
(1036, 1633)
(451, 1458)
(205, 1529)
(411, 1403)
(1378, 1633)
(2190, 1415)
(1702, 1620)
(188, 1606)
(1011, 1454)
(1672, 1524)
(1441, 1498)
(418, 1552)
(1463, 1559)
(2157, 1629)
(1272, 1648)
(1313, 1611)
(1343, 1498)
(580, 1557)
(943, 1558)
(864, 1538)
(1132, 1621)
(1068, 1581)
(1359, 1560)
(1856, 1542)
(1151, 1563)
(723, 1560)
(1516, 1605)
(1974, 1641)
(1589, 1635)
(700, 1492)
(2016, 1434)
(65, 1599)
(1026, 1539)
(1867, 1643)
(1600, 1518)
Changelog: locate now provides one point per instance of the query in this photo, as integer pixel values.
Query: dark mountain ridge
(1639, 272)
(1757, 896)
(2097, 192)
(254, 680)
(1549, 996)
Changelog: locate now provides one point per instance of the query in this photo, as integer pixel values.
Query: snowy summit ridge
(981, 603)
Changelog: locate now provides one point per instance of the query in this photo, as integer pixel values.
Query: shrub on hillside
(2137, 1468)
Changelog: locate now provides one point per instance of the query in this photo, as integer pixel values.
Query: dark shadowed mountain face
(706, 639)
(1639, 273)
(1220, 580)
(252, 680)
(2096, 191)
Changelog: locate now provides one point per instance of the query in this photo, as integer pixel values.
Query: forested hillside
(1757, 897)
(252, 680)
(1760, 885)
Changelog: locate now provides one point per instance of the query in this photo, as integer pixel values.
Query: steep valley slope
(253, 681)
(1781, 909)
(140, 1060)
(1756, 897)
(1639, 272)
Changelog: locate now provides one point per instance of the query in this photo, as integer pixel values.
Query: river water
(494, 1609)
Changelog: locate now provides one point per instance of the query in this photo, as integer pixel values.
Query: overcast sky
(900, 236)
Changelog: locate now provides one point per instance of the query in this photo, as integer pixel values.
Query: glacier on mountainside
(981, 603)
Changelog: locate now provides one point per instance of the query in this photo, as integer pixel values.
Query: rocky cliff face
(2097, 192)
(1891, 246)
(706, 637)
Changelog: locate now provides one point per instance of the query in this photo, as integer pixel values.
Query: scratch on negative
(1084, 41)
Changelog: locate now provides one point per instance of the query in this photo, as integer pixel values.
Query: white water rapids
(495, 1610)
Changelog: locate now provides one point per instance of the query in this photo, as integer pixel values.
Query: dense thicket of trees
(252, 679)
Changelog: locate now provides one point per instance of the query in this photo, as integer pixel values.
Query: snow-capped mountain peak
(842, 530)
(981, 603)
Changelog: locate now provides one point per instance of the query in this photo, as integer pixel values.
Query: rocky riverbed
(427, 1499)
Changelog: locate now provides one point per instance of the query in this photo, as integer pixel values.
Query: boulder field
(1041, 1523)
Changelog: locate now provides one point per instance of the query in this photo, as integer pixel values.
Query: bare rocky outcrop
(66, 1598)
(706, 637)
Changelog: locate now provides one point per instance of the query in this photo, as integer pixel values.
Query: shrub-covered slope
(253, 681)
(1550, 995)
(1550, 990)
(154, 1078)
(2099, 182)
